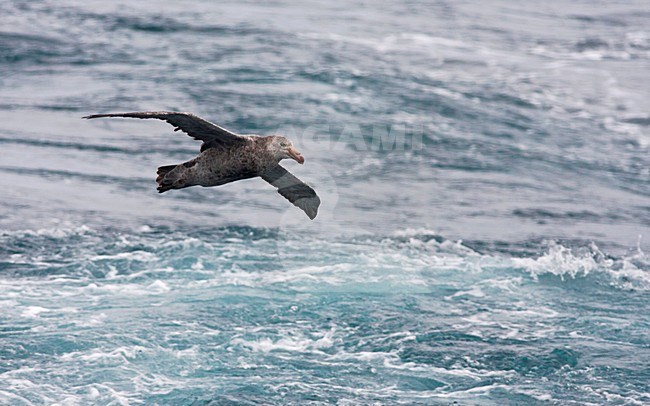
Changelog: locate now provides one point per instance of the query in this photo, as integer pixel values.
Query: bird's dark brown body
(218, 166)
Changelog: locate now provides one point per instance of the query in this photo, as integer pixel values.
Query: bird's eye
(283, 144)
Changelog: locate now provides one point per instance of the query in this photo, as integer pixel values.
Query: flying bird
(227, 157)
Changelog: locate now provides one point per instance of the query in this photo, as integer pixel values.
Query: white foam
(92, 321)
(124, 354)
(475, 292)
(563, 262)
(558, 261)
(191, 352)
(34, 311)
(154, 384)
(298, 343)
(154, 288)
(462, 394)
(54, 232)
(143, 256)
(93, 393)
(158, 287)
(13, 399)
(535, 394)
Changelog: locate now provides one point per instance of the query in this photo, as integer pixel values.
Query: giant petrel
(226, 157)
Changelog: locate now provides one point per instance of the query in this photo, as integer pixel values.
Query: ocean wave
(406, 258)
(242, 299)
(631, 271)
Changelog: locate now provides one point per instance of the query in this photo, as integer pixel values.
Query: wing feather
(211, 134)
(293, 189)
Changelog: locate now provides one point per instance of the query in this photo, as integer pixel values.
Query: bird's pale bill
(295, 154)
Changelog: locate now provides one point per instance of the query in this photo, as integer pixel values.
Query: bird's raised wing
(293, 189)
(211, 134)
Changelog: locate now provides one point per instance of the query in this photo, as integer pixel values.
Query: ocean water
(484, 170)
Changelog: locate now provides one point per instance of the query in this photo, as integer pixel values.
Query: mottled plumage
(226, 157)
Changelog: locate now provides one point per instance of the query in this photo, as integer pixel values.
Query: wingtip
(313, 212)
(104, 115)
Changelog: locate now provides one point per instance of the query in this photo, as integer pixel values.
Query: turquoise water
(496, 254)
(250, 315)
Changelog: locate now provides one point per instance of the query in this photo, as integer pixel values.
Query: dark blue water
(485, 179)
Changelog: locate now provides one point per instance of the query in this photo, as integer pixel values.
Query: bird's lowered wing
(211, 134)
(293, 189)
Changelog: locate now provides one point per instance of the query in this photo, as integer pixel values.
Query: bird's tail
(167, 177)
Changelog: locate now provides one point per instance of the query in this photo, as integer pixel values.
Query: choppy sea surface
(489, 249)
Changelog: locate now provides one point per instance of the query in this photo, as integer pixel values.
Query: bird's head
(282, 148)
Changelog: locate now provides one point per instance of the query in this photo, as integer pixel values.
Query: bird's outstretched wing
(211, 134)
(293, 189)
